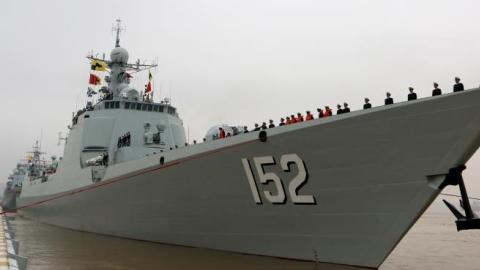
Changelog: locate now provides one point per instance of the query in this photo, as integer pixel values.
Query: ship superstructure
(342, 189)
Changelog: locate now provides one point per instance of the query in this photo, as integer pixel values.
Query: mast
(119, 69)
(37, 153)
(118, 28)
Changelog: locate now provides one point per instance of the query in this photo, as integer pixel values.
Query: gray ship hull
(372, 174)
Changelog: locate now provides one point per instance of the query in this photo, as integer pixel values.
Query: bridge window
(139, 106)
(112, 105)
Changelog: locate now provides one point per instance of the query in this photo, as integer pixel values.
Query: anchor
(469, 220)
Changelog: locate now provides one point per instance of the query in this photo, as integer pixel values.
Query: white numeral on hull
(278, 197)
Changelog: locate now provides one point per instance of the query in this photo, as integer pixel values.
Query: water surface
(433, 243)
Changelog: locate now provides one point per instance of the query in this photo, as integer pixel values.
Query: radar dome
(130, 93)
(119, 55)
(213, 132)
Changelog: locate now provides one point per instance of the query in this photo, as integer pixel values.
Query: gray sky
(229, 61)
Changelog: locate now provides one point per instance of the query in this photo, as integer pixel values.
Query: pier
(9, 258)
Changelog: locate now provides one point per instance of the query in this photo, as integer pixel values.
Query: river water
(433, 243)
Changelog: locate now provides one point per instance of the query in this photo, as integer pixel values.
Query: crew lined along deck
(322, 113)
(292, 119)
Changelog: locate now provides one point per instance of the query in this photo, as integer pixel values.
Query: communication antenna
(60, 138)
(41, 137)
(118, 29)
(170, 90)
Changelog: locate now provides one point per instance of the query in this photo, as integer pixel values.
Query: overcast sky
(228, 61)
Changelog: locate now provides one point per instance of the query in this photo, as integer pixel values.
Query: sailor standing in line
(458, 86)
(309, 116)
(293, 119)
(257, 128)
(389, 99)
(320, 112)
(339, 109)
(299, 117)
(271, 125)
(327, 112)
(436, 91)
(282, 122)
(346, 109)
(221, 133)
(288, 121)
(367, 104)
(245, 129)
(412, 95)
(264, 125)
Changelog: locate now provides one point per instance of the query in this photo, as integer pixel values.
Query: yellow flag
(98, 65)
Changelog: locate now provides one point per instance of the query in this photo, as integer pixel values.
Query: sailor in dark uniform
(271, 125)
(282, 122)
(412, 95)
(339, 109)
(346, 109)
(320, 113)
(264, 125)
(458, 86)
(389, 99)
(105, 159)
(436, 91)
(367, 104)
(257, 128)
(245, 129)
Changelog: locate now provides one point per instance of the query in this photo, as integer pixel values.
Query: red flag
(94, 79)
(148, 89)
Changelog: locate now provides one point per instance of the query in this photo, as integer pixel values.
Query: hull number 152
(279, 195)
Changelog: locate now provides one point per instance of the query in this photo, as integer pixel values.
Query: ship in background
(343, 189)
(33, 167)
(13, 187)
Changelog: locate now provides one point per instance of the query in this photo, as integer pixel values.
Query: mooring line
(458, 196)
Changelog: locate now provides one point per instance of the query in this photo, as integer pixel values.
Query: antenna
(118, 29)
(41, 137)
(60, 138)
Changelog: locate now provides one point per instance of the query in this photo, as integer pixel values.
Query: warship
(34, 166)
(13, 187)
(342, 189)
